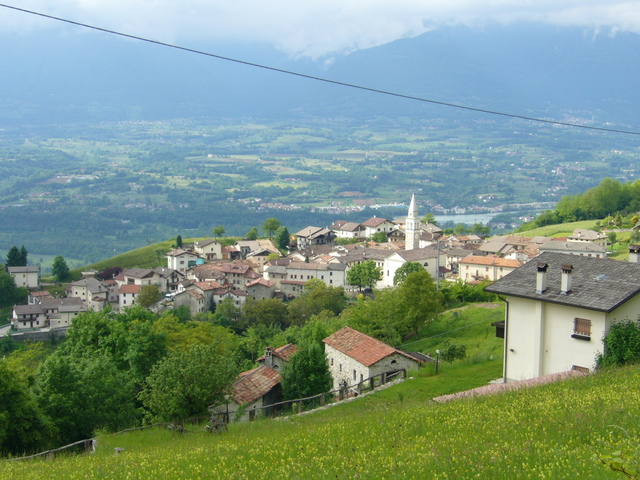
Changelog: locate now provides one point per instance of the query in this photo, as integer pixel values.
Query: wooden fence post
(372, 383)
(322, 401)
(384, 378)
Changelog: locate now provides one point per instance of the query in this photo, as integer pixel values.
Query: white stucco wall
(538, 337)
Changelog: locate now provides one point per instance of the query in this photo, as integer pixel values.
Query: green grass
(552, 431)
(561, 230)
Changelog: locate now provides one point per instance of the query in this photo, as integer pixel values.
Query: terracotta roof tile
(253, 384)
(130, 289)
(362, 348)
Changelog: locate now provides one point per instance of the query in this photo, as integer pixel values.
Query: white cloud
(317, 28)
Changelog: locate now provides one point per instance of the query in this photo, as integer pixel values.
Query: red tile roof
(362, 348)
(374, 222)
(285, 352)
(253, 384)
(491, 261)
(130, 289)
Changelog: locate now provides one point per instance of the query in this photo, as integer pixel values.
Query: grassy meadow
(553, 431)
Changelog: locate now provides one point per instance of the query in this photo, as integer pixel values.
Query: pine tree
(13, 257)
(23, 257)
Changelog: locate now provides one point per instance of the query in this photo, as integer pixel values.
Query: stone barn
(354, 357)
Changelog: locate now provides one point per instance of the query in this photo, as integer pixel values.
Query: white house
(354, 357)
(559, 307)
(479, 268)
(181, 260)
(427, 257)
(377, 224)
(209, 249)
(25, 276)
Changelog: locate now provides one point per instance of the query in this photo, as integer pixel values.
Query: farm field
(118, 186)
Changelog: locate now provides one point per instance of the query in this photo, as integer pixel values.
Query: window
(354, 374)
(581, 328)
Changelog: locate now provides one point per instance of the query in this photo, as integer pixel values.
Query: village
(555, 289)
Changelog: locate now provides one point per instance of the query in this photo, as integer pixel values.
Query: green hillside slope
(552, 431)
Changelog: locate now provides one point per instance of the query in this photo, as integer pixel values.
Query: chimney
(634, 253)
(541, 279)
(268, 357)
(565, 283)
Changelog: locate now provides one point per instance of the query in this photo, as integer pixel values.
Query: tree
(621, 344)
(14, 259)
(179, 241)
(60, 268)
(23, 428)
(430, 218)
(81, 395)
(419, 302)
(187, 382)
(404, 270)
(252, 234)
(307, 373)
(317, 296)
(10, 294)
(270, 225)
(149, 295)
(380, 237)
(268, 311)
(613, 238)
(23, 256)
(282, 238)
(218, 231)
(364, 274)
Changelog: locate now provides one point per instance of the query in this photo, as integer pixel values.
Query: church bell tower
(412, 226)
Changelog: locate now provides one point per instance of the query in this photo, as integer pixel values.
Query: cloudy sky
(312, 28)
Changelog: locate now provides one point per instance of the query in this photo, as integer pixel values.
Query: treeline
(609, 199)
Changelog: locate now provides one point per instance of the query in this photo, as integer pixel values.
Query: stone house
(559, 307)
(259, 387)
(261, 288)
(353, 357)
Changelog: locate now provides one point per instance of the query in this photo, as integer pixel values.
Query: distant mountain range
(525, 69)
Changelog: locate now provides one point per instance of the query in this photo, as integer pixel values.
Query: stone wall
(40, 335)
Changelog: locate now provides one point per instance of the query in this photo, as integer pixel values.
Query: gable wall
(539, 334)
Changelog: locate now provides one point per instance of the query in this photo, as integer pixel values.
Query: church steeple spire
(412, 226)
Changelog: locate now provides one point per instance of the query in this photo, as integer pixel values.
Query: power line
(319, 79)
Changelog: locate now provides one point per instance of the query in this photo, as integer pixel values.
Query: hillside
(552, 431)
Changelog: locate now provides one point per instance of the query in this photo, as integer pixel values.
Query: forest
(118, 370)
(618, 203)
